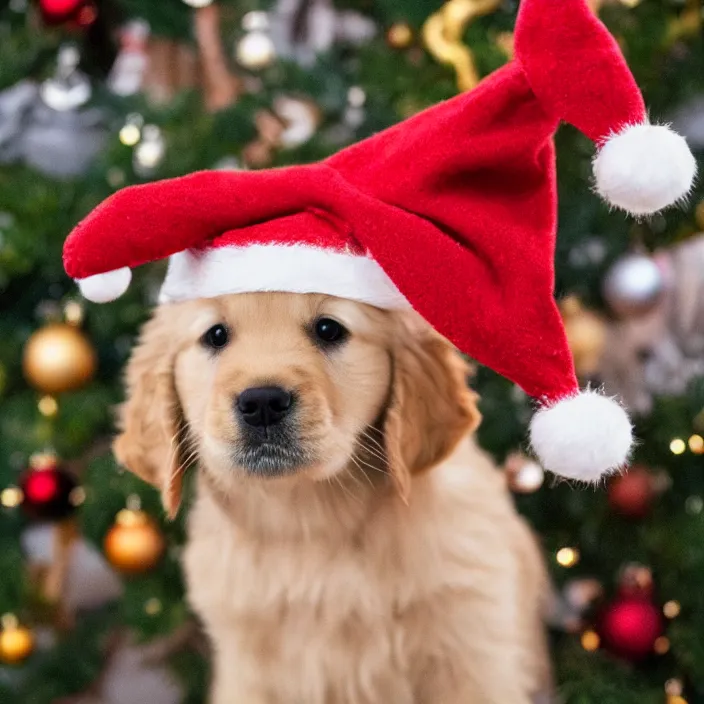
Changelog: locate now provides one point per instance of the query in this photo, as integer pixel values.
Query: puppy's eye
(329, 331)
(217, 337)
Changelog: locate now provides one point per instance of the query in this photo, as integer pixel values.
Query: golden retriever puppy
(349, 543)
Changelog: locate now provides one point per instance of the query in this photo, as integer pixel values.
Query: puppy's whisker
(339, 482)
(356, 462)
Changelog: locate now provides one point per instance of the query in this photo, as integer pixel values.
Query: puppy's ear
(150, 421)
(431, 407)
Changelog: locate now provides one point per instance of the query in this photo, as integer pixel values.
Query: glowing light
(696, 444)
(673, 687)
(672, 609)
(48, 406)
(694, 505)
(567, 557)
(77, 496)
(677, 446)
(662, 645)
(130, 134)
(590, 641)
(153, 606)
(73, 312)
(11, 497)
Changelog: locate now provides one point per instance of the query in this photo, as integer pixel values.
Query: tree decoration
(631, 626)
(632, 494)
(80, 12)
(568, 608)
(150, 152)
(49, 492)
(524, 475)
(443, 33)
(16, 641)
(400, 35)
(586, 334)
(256, 50)
(134, 544)
(660, 352)
(59, 358)
(634, 285)
(302, 30)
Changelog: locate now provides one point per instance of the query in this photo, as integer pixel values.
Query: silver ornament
(634, 285)
(256, 49)
(149, 153)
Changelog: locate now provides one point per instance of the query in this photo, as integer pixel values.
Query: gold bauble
(586, 335)
(59, 358)
(400, 35)
(134, 544)
(16, 642)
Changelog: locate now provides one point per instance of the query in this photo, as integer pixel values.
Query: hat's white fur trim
(287, 268)
(644, 168)
(106, 287)
(584, 437)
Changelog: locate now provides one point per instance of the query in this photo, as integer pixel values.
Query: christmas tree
(98, 95)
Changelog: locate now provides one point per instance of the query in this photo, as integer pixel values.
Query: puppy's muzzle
(269, 442)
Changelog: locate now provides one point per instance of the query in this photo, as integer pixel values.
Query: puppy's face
(272, 384)
(268, 385)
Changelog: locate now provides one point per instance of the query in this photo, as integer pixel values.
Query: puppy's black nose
(264, 405)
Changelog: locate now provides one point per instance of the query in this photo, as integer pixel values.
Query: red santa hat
(452, 212)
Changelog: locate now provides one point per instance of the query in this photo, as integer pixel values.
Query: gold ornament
(16, 641)
(400, 35)
(443, 32)
(134, 544)
(58, 358)
(586, 335)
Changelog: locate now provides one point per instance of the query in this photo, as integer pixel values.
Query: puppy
(349, 543)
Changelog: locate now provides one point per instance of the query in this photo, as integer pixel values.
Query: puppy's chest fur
(343, 595)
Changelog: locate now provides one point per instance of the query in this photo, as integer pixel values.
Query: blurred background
(96, 95)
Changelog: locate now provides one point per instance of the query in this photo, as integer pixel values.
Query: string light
(673, 687)
(590, 641)
(131, 131)
(73, 312)
(661, 645)
(77, 496)
(694, 505)
(567, 557)
(677, 446)
(11, 497)
(130, 134)
(696, 444)
(671, 609)
(153, 606)
(48, 406)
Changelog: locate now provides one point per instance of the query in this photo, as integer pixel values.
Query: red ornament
(630, 626)
(62, 11)
(47, 489)
(632, 494)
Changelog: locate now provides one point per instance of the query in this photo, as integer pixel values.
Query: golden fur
(363, 577)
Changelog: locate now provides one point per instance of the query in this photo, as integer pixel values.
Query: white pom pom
(102, 288)
(644, 168)
(582, 437)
